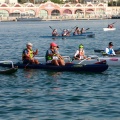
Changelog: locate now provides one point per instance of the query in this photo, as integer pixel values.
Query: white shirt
(77, 53)
(110, 51)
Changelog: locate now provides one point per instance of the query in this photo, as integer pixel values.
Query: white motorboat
(109, 29)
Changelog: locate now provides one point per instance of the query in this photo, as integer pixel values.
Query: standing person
(109, 50)
(55, 33)
(53, 56)
(28, 55)
(80, 54)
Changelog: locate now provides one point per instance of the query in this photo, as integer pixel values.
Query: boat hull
(83, 35)
(100, 51)
(94, 68)
(109, 29)
(9, 71)
(111, 61)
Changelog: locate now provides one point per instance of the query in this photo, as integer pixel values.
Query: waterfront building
(50, 10)
(8, 1)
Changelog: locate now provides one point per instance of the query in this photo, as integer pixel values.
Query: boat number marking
(77, 65)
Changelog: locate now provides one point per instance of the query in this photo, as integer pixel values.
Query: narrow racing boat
(111, 61)
(97, 67)
(109, 29)
(101, 51)
(11, 70)
(81, 36)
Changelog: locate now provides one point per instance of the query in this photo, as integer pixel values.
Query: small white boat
(109, 29)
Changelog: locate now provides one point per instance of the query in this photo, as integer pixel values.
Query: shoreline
(53, 19)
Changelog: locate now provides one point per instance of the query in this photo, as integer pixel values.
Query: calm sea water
(45, 95)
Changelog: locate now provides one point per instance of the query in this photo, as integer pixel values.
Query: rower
(55, 33)
(28, 55)
(109, 50)
(77, 31)
(82, 30)
(53, 56)
(110, 26)
(80, 54)
(64, 32)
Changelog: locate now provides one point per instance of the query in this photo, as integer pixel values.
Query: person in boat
(64, 32)
(82, 30)
(55, 33)
(110, 26)
(109, 50)
(77, 31)
(53, 56)
(80, 54)
(68, 32)
(28, 55)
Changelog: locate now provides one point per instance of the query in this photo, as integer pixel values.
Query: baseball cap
(110, 44)
(81, 46)
(30, 44)
(54, 44)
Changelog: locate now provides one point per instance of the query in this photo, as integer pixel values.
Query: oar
(51, 27)
(87, 29)
(113, 23)
(71, 30)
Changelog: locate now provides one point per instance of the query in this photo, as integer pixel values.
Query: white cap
(30, 44)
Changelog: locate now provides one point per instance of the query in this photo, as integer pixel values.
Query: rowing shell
(111, 61)
(109, 29)
(94, 68)
(100, 51)
(82, 36)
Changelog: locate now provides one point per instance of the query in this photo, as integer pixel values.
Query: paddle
(87, 29)
(51, 27)
(113, 23)
(70, 30)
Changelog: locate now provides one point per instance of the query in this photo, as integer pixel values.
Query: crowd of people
(54, 57)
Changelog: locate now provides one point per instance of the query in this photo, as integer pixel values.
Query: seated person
(53, 56)
(28, 55)
(109, 50)
(68, 32)
(64, 32)
(55, 33)
(82, 30)
(77, 31)
(80, 54)
(110, 26)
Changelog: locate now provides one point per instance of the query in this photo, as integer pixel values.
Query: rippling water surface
(45, 95)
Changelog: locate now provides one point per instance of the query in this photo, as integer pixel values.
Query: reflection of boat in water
(29, 19)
